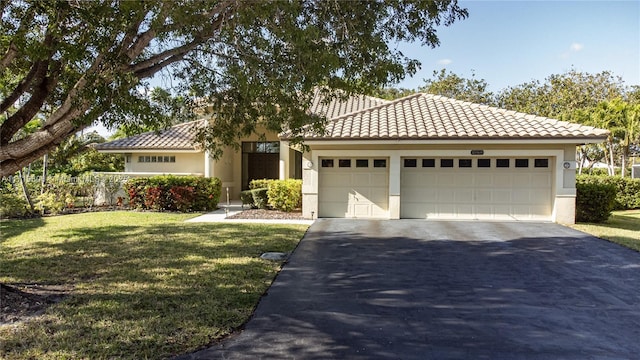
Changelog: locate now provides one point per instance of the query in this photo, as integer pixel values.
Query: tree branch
(9, 56)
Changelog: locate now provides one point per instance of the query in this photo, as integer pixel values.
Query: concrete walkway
(235, 207)
(412, 289)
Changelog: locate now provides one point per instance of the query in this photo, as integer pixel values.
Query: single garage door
(478, 188)
(353, 188)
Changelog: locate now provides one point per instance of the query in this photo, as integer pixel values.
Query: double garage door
(438, 188)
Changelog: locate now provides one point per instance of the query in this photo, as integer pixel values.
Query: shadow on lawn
(12, 228)
(144, 291)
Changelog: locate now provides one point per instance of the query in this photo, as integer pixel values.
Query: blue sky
(511, 42)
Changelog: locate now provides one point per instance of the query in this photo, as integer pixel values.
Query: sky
(508, 43)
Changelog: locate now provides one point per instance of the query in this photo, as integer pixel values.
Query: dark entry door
(262, 166)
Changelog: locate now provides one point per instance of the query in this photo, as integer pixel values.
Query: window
(344, 163)
(464, 163)
(128, 158)
(379, 163)
(264, 147)
(410, 163)
(484, 163)
(446, 163)
(156, 159)
(541, 163)
(328, 163)
(522, 163)
(502, 163)
(428, 162)
(362, 163)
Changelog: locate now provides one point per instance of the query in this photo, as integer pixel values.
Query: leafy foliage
(260, 197)
(595, 198)
(76, 62)
(459, 88)
(285, 195)
(174, 193)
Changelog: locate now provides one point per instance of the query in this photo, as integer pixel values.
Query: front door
(262, 166)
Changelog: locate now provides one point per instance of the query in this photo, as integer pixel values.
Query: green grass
(623, 227)
(145, 285)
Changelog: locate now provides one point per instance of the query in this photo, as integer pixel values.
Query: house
(422, 156)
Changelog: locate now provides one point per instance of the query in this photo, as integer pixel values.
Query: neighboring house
(422, 156)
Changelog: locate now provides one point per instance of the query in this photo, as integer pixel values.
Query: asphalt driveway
(411, 289)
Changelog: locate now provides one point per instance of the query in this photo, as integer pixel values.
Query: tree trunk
(45, 160)
(25, 191)
(612, 170)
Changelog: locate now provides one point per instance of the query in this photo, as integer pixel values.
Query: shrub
(628, 193)
(53, 202)
(285, 195)
(260, 183)
(12, 205)
(595, 198)
(181, 193)
(247, 198)
(260, 198)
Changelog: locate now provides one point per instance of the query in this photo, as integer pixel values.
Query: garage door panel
(353, 192)
(477, 193)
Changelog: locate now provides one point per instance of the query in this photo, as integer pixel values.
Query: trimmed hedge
(595, 197)
(628, 193)
(174, 193)
(285, 195)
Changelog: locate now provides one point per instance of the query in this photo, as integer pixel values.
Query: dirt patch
(20, 302)
(267, 214)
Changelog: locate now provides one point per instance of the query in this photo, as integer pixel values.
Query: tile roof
(182, 136)
(339, 106)
(178, 137)
(433, 117)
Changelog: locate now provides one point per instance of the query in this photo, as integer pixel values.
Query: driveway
(413, 289)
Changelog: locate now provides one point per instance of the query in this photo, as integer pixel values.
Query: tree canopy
(77, 62)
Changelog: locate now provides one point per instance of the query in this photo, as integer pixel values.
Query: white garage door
(480, 188)
(353, 188)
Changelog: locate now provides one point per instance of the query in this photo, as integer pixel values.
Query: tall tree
(562, 94)
(253, 61)
(457, 87)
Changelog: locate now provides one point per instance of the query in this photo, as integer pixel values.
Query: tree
(562, 94)
(390, 93)
(87, 61)
(456, 87)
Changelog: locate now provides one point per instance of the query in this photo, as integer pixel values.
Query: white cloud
(575, 47)
(445, 61)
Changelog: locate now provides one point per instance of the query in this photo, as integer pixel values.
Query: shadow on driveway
(412, 289)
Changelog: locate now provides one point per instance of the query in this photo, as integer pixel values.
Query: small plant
(260, 197)
(260, 183)
(12, 205)
(247, 198)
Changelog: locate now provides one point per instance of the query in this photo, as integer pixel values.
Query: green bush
(54, 202)
(247, 198)
(628, 193)
(174, 193)
(285, 195)
(13, 205)
(260, 183)
(595, 198)
(260, 198)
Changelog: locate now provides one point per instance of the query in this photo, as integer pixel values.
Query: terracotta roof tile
(178, 137)
(432, 117)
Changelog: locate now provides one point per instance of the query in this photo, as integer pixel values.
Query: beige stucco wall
(563, 188)
(186, 163)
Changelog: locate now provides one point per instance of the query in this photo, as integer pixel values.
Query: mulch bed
(267, 214)
(20, 302)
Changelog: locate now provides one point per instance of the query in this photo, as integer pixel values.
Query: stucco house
(421, 156)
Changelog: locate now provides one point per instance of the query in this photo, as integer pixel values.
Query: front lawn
(623, 227)
(141, 285)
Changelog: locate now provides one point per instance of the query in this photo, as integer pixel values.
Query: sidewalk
(235, 207)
